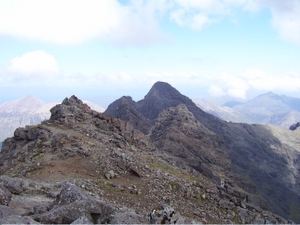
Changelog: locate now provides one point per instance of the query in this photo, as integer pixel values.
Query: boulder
(9, 216)
(15, 186)
(71, 204)
(226, 204)
(294, 126)
(110, 174)
(164, 214)
(5, 196)
(127, 216)
(82, 220)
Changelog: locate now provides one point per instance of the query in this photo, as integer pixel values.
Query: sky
(101, 50)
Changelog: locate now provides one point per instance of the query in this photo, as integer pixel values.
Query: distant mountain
(94, 106)
(21, 112)
(268, 108)
(224, 112)
(28, 110)
(231, 104)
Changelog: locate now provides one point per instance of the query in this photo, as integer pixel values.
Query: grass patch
(175, 186)
(176, 173)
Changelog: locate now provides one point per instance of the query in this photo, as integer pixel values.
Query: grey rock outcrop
(124, 109)
(71, 204)
(177, 131)
(294, 126)
(5, 196)
(9, 216)
(72, 109)
(164, 214)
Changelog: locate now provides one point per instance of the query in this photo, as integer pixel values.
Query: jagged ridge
(250, 149)
(106, 157)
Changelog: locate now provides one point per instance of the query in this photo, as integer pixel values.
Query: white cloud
(137, 23)
(237, 93)
(197, 14)
(254, 79)
(215, 91)
(287, 21)
(117, 79)
(173, 78)
(33, 64)
(75, 21)
(235, 86)
(285, 16)
(260, 80)
(30, 69)
(199, 20)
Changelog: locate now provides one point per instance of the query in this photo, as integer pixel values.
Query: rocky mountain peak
(161, 96)
(114, 107)
(70, 108)
(74, 101)
(272, 95)
(178, 113)
(124, 109)
(162, 90)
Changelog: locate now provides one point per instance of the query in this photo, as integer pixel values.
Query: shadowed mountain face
(250, 148)
(178, 132)
(123, 108)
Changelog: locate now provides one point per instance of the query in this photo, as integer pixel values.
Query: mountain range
(268, 108)
(255, 151)
(158, 160)
(28, 110)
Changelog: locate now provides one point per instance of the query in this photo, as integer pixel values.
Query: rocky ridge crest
(255, 165)
(81, 166)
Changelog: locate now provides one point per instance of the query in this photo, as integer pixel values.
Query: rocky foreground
(81, 166)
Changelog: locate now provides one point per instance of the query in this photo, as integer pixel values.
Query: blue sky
(102, 50)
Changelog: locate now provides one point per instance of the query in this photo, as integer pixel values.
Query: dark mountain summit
(161, 96)
(124, 108)
(249, 147)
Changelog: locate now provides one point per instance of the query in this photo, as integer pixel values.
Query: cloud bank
(75, 21)
(40, 69)
(136, 23)
(254, 79)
